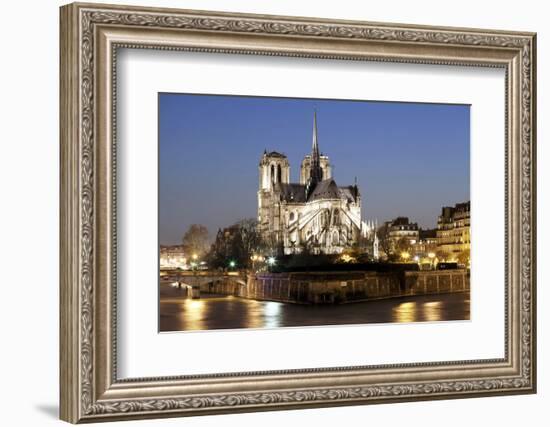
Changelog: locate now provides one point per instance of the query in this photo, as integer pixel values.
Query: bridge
(214, 282)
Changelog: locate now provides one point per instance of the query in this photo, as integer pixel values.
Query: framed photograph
(266, 212)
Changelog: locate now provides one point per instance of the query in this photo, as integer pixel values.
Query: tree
(219, 251)
(392, 248)
(249, 238)
(403, 245)
(236, 243)
(195, 240)
(384, 240)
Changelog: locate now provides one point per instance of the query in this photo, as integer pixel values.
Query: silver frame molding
(90, 37)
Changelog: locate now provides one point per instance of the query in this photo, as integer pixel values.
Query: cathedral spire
(316, 173)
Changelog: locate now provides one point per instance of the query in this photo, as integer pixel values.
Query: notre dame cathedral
(315, 214)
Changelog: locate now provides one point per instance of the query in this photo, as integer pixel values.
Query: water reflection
(178, 313)
(194, 311)
(254, 314)
(432, 311)
(405, 312)
(272, 313)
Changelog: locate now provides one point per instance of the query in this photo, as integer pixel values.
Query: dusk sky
(409, 159)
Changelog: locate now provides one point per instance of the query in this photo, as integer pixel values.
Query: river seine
(179, 313)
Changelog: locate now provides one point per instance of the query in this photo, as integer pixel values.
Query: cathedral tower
(273, 169)
(274, 172)
(305, 168)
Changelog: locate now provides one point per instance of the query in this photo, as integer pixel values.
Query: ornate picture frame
(90, 37)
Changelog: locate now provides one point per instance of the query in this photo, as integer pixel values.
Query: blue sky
(410, 159)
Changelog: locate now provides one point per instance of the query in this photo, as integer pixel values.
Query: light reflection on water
(405, 312)
(423, 311)
(194, 312)
(254, 315)
(432, 311)
(272, 313)
(178, 313)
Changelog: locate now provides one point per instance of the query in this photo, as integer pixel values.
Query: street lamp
(405, 255)
(232, 264)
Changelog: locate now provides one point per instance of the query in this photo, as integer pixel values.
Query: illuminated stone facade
(400, 228)
(172, 257)
(453, 229)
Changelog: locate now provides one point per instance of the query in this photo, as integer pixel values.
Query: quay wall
(225, 286)
(344, 287)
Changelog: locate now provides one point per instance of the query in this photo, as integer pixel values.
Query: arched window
(291, 216)
(273, 174)
(279, 173)
(335, 238)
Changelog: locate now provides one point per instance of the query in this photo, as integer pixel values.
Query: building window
(272, 174)
(279, 173)
(292, 216)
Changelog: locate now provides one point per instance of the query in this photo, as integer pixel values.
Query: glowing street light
(232, 264)
(347, 258)
(195, 256)
(405, 255)
(271, 260)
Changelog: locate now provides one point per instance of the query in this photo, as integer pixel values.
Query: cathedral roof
(326, 189)
(292, 192)
(274, 154)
